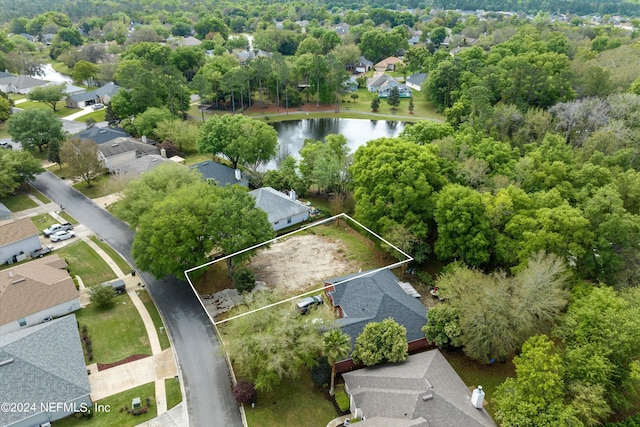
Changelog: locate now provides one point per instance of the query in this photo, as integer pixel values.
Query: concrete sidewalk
(133, 374)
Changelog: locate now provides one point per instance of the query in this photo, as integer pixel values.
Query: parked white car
(57, 227)
(62, 235)
(98, 106)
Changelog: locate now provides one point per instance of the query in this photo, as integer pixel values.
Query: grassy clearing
(116, 416)
(19, 202)
(115, 256)
(98, 116)
(86, 263)
(115, 333)
(43, 221)
(157, 320)
(68, 217)
(61, 109)
(293, 402)
(474, 374)
(174, 394)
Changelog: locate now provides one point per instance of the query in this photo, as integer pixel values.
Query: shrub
(321, 372)
(244, 280)
(342, 399)
(102, 296)
(244, 392)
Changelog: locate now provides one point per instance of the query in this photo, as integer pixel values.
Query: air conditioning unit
(45, 425)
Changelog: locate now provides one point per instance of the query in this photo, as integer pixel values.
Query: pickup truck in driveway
(57, 227)
(39, 253)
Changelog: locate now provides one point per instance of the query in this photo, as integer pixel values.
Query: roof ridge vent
(6, 362)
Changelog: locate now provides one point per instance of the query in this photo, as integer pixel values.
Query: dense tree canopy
(35, 128)
(16, 168)
(381, 342)
(180, 230)
(394, 184)
(239, 138)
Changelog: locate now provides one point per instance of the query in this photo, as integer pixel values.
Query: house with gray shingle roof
(373, 296)
(17, 238)
(221, 174)
(20, 84)
(34, 291)
(102, 95)
(282, 210)
(44, 365)
(100, 135)
(118, 152)
(422, 391)
(415, 81)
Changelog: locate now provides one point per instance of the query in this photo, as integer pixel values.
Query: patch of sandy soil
(301, 262)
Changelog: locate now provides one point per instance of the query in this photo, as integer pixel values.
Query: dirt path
(301, 263)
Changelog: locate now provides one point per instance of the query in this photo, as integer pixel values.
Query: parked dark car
(305, 304)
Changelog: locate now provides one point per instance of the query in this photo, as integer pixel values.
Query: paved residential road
(204, 369)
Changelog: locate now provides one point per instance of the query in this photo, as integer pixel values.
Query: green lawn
(86, 263)
(61, 109)
(292, 403)
(68, 217)
(98, 116)
(192, 159)
(174, 394)
(101, 186)
(43, 221)
(61, 67)
(474, 374)
(115, 256)
(155, 316)
(115, 333)
(38, 195)
(19, 202)
(116, 415)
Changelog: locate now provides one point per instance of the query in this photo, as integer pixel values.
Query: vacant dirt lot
(301, 262)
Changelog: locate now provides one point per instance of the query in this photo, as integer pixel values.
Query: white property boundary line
(408, 258)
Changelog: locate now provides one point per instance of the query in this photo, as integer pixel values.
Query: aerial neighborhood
(419, 214)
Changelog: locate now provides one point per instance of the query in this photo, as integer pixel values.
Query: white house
(282, 210)
(20, 84)
(17, 239)
(34, 291)
(43, 365)
(119, 152)
(415, 81)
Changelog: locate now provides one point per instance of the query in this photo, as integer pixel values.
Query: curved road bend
(204, 369)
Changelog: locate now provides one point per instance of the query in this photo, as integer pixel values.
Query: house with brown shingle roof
(387, 64)
(17, 238)
(35, 291)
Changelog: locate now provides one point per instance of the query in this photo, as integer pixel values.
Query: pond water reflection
(291, 134)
